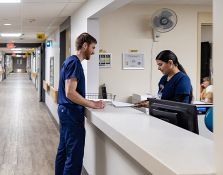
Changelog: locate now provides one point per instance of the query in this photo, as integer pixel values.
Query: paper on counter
(122, 104)
(201, 103)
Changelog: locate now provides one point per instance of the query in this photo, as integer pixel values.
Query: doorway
(42, 72)
(204, 36)
(206, 51)
(19, 64)
(65, 40)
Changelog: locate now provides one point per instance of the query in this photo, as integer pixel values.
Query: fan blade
(156, 21)
(166, 14)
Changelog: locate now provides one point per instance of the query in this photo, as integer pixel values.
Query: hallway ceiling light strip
(11, 34)
(16, 49)
(10, 1)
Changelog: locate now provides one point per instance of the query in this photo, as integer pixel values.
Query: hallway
(28, 136)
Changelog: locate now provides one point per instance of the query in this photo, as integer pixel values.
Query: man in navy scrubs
(72, 102)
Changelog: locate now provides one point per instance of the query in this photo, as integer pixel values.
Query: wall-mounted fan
(163, 20)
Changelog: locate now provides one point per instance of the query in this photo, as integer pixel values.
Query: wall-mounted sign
(49, 43)
(105, 59)
(133, 61)
(40, 36)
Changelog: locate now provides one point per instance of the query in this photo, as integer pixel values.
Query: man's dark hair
(84, 38)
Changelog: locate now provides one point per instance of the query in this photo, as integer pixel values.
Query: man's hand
(74, 96)
(97, 104)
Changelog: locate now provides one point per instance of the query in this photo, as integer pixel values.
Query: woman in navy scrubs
(174, 85)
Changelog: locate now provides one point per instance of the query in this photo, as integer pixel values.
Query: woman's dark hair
(167, 55)
(84, 38)
(206, 79)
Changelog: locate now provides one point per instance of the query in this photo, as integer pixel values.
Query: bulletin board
(133, 61)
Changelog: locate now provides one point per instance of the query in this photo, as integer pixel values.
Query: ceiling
(35, 16)
(31, 17)
(175, 2)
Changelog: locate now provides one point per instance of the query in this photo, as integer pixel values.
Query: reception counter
(126, 141)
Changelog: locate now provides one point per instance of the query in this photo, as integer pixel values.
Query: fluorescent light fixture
(18, 52)
(16, 49)
(10, 1)
(11, 34)
(7, 24)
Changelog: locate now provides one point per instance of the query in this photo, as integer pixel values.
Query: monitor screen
(180, 114)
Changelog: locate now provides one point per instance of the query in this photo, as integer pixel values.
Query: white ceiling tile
(177, 2)
(57, 21)
(37, 10)
(69, 9)
(10, 11)
(53, 1)
(36, 21)
(34, 16)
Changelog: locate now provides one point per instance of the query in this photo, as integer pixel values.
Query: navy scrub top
(72, 68)
(178, 85)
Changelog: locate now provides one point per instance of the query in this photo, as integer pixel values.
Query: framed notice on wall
(105, 59)
(133, 61)
(52, 71)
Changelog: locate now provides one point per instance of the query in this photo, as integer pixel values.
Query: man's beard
(87, 55)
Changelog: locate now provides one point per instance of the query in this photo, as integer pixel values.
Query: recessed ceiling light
(7, 24)
(11, 34)
(10, 1)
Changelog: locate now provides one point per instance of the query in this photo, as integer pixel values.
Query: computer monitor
(180, 114)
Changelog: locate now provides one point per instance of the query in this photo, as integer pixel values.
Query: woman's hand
(144, 103)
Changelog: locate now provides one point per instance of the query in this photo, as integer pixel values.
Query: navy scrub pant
(69, 158)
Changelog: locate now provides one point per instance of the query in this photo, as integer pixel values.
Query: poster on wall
(105, 60)
(52, 71)
(133, 61)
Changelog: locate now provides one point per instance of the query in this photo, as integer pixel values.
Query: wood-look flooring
(28, 136)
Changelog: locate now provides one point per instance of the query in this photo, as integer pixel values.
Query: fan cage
(158, 14)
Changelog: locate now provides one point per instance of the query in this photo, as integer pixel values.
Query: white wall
(119, 34)
(218, 95)
(1, 65)
(33, 67)
(206, 33)
(9, 64)
(53, 51)
(85, 20)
